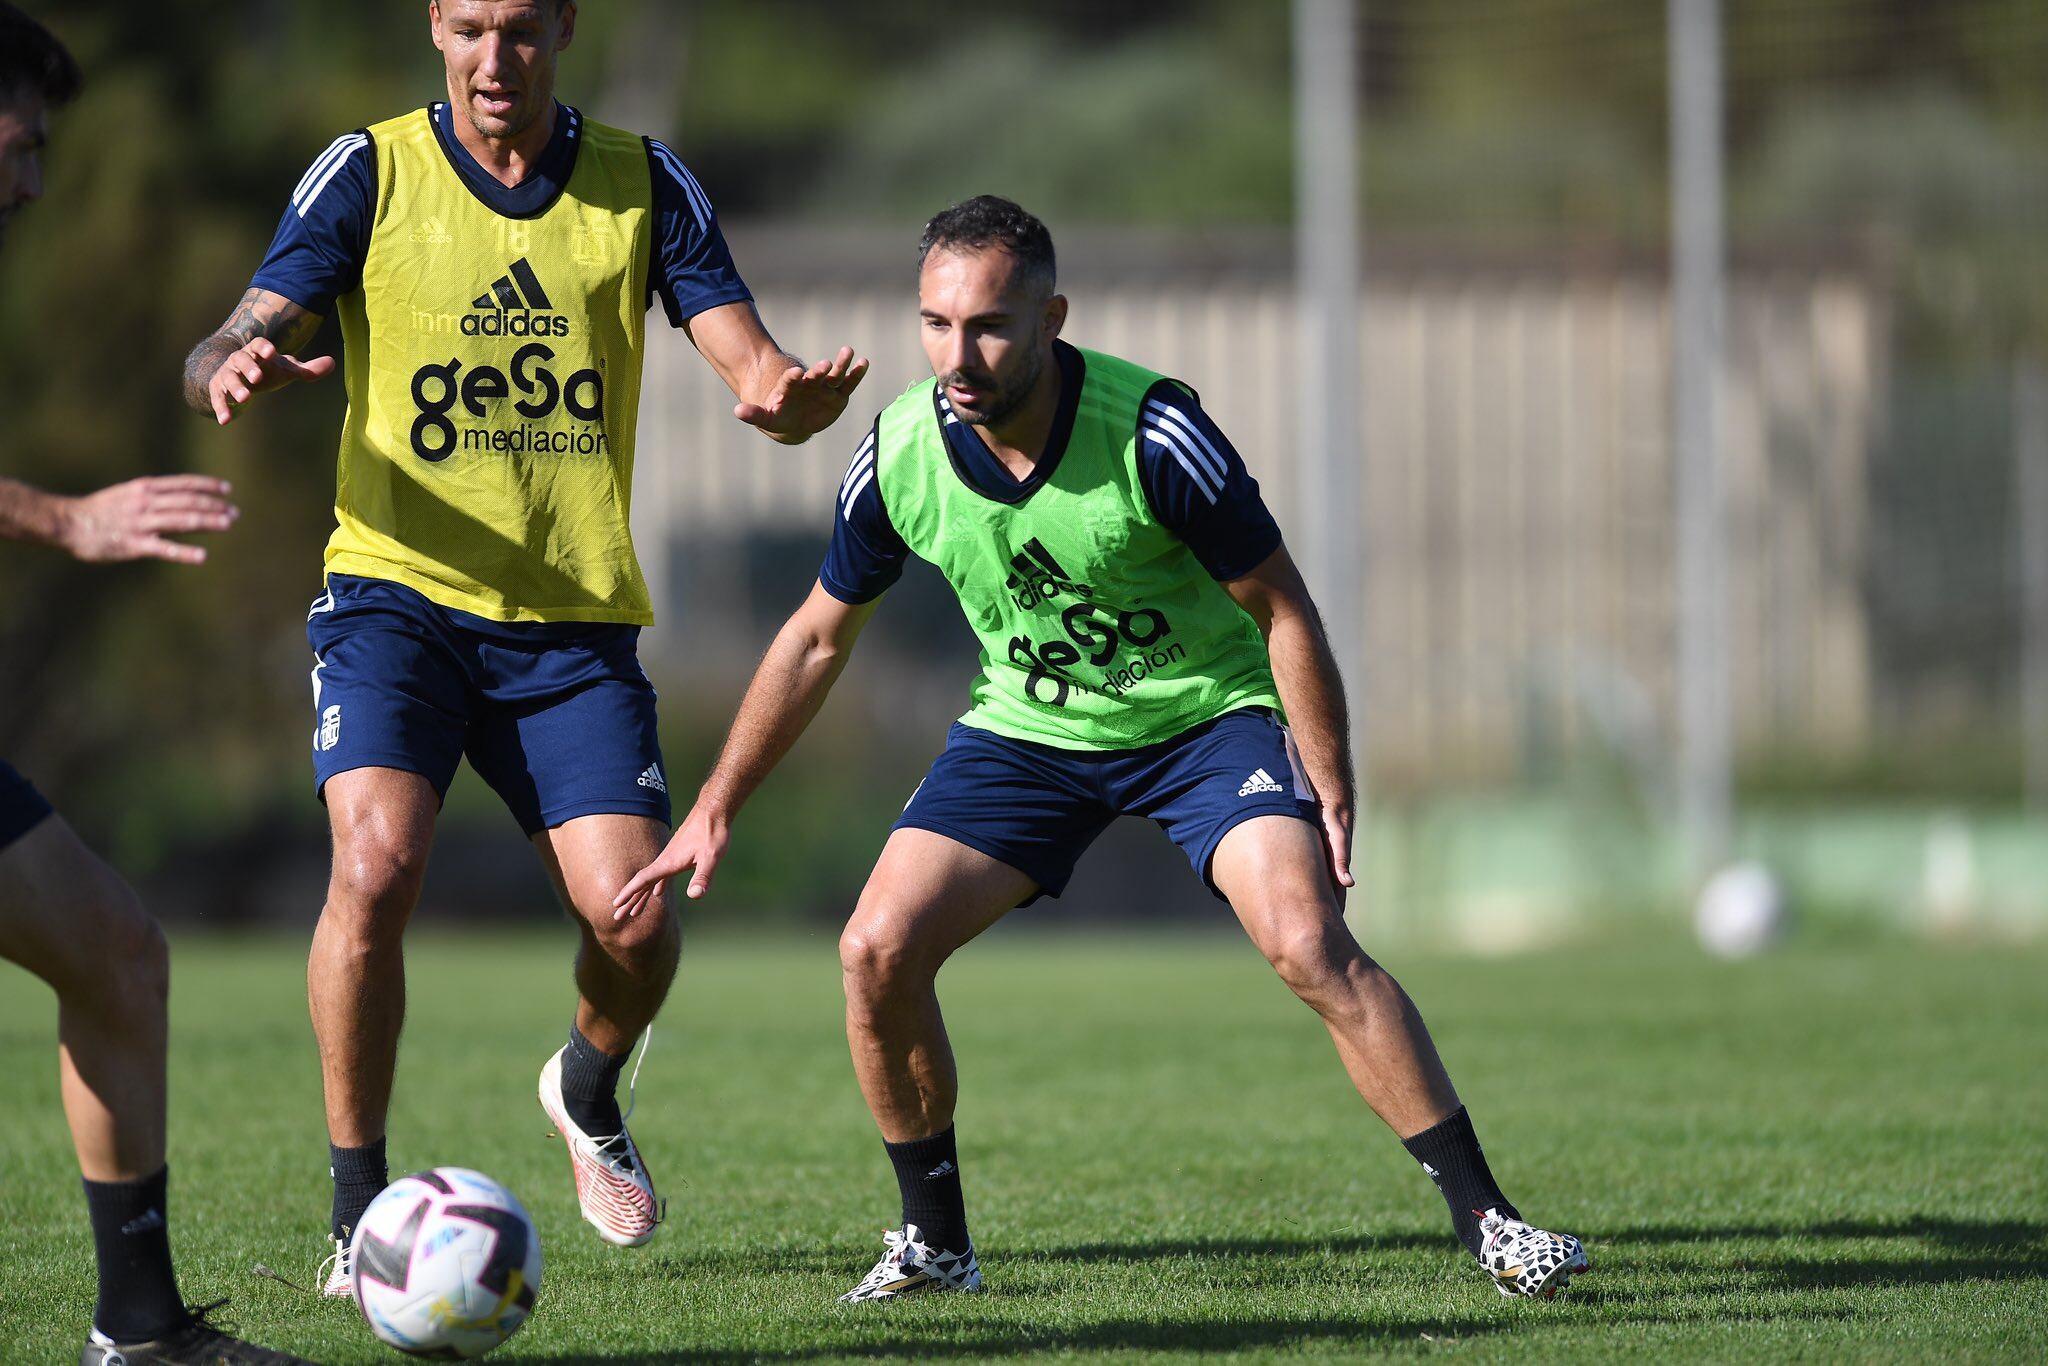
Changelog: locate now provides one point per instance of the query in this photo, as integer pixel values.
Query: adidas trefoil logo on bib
(652, 778)
(1260, 781)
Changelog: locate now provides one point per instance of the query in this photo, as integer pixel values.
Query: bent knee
(373, 889)
(650, 935)
(1317, 960)
(877, 960)
(145, 953)
(366, 921)
(119, 963)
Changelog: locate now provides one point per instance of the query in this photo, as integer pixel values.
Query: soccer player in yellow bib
(492, 258)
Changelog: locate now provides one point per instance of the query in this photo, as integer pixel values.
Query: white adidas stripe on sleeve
(1172, 419)
(867, 477)
(857, 474)
(1201, 477)
(700, 203)
(336, 148)
(325, 169)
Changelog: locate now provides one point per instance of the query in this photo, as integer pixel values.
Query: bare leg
(1273, 871)
(383, 822)
(624, 968)
(70, 919)
(927, 896)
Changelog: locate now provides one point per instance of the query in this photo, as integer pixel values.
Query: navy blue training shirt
(1194, 479)
(317, 254)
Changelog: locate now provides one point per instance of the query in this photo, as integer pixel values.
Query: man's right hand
(257, 367)
(697, 845)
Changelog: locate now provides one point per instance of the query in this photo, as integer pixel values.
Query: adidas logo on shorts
(1260, 781)
(652, 779)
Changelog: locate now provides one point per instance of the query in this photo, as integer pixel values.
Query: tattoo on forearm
(259, 314)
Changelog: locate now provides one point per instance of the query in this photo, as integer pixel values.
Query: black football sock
(360, 1175)
(138, 1291)
(590, 1086)
(1449, 1152)
(928, 1174)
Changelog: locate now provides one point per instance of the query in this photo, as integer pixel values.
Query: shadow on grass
(2018, 1240)
(1949, 1235)
(1963, 1250)
(1960, 1250)
(1955, 1235)
(956, 1342)
(2013, 1246)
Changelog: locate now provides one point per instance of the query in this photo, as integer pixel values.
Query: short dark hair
(32, 61)
(989, 220)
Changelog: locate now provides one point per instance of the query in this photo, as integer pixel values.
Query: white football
(445, 1263)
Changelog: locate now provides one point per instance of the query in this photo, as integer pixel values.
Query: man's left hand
(804, 401)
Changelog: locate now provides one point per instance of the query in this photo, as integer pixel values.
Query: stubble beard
(1008, 399)
(524, 113)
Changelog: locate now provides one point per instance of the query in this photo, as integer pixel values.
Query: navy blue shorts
(22, 808)
(558, 718)
(1038, 807)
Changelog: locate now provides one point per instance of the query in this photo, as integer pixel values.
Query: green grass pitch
(1837, 1151)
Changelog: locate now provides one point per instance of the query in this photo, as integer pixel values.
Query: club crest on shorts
(330, 728)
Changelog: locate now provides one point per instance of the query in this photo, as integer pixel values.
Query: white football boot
(612, 1184)
(336, 1283)
(911, 1266)
(1524, 1260)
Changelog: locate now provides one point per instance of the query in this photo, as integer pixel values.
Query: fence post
(1699, 322)
(1328, 374)
(2030, 459)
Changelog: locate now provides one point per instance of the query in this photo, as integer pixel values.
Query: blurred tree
(166, 706)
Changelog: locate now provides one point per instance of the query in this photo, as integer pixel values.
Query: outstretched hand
(804, 401)
(255, 368)
(133, 521)
(696, 847)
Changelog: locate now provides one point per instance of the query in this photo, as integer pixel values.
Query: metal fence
(1517, 502)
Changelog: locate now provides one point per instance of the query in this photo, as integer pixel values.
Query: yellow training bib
(494, 385)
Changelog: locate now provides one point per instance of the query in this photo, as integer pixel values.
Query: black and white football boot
(198, 1343)
(911, 1266)
(1525, 1260)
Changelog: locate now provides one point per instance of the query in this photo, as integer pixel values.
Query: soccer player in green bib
(1147, 648)
(492, 259)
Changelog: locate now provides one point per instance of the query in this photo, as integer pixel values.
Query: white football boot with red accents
(911, 1266)
(612, 1184)
(1524, 1260)
(335, 1281)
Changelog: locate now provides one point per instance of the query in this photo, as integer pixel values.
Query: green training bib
(1099, 628)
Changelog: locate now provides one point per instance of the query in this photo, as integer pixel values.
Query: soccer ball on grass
(445, 1264)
